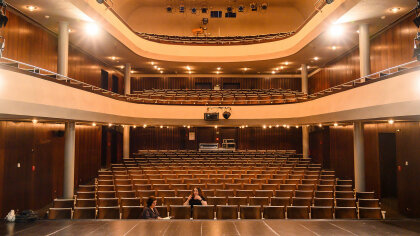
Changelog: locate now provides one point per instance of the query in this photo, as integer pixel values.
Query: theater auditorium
(200, 117)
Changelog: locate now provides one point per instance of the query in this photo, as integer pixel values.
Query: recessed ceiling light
(188, 68)
(277, 69)
(152, 63)
(273, 72)
(47, 17)
(297, 126)
(391, 122)
(189, 72)
(395, 9)
(91, 29)
(217, 72)
(245, 69)
(334, 47)
(269, 126)
(34, 121)
(286, 63)
(316, 58)
(161, 126)
(144, 126)
(335, 124)
(113, 58)
(155, 67)
(109, 125)
(281, 67)
(31, 8)
(132, 71)
(320, 125)
(161, 71)
(383, 17)
(264, 126)
(219, 68)
(134, 126)
(93, 124)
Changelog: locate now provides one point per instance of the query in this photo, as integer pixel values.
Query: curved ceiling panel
(180, 53)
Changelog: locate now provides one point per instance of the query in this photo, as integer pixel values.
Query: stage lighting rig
(227, 111)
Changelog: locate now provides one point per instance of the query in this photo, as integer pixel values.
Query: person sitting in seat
(150, 211)
(196, 198)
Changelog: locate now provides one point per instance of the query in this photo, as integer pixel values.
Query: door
(388, 165)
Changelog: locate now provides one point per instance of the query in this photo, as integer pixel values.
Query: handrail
(360, 82)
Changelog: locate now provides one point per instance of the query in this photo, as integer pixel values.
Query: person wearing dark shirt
(196, 198)
(150, 211)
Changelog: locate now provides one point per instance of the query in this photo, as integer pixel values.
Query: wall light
(335, 124)
(391, 121)
(93, 124)
(34, 121)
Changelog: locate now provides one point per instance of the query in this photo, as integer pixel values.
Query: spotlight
(91, 29)
(336, 31)
(182, 9)
(229, 9)
(31, 8)
(226, 114)
(93, 124)
(329, 1)
(100, 1)
(241, 9)
(391, 122)
(169, 9)
(204, 10)
(264, 6)
(144, 126)
(335, 124)
(134, 126)
(194, 10)
(34, 121)
(215, 126)
(253, 6)
(161, 126)
(109, 125)
(205, 21)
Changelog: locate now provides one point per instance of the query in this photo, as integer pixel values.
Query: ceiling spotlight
(269, 126)
(284, 126)
(152, 63)
(93, 124)
(334, 48)
(219, 68)
(188, 68)
(193, 10)
(167, 127)
(34, 121)
(297, 126)
(391, 121)
(246, 126)
(286, 63)
(227, 114)
(335, 124)
(277, 126)
(395, 9)
(241, 9)
(336, 31)
(264, 6)
(215, 126)
(123, 126)
(47, 17)
(188, 127)
(281, 67)
(155, 66)
(273, 72)
(329, 1)
(264, 126)
(31, 8)
(316, 58)
(144, 126)
(217, 72)
(288, 127)
(113, 58)
(91, 29)
(161, 71)
(189, 72)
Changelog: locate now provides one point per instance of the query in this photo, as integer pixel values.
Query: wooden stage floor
(213, 227)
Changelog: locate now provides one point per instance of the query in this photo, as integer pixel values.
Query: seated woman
(196, 198)
(150, 211)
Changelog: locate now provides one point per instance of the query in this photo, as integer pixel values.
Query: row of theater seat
(220, 212)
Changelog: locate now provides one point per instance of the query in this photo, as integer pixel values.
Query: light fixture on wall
(34, 121)
(391, 121)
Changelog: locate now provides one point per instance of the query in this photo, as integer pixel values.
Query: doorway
(388, 165)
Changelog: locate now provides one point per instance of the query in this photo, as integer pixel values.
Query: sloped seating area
(218, 97)
(244, 185)
(215, 40)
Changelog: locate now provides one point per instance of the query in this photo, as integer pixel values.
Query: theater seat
(63, 203)
(250, 212)
(259, 201)
(226, 212)
(86, 188)
(244, 193)
(163, 211)
(203, 212)
(345, 212)
(369, 203)
(217, 201)
(173, 201)
(345, 202)
(85, 203)
(107, 202)
(301, 201)
(85, 195)
(130, 202)
(84, 213)
(324, 201)
(59, 213)
(298, 212)
(180, 212)
(108, 212)
(365, 195)
(321, 212)
(370, 213)
(131, 212)
(106, 194)
(274, 212)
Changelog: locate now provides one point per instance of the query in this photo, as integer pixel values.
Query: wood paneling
(392, 47)
(31, 44)
(190, 83)
(248, 138)
(39, 150)
(319, 146)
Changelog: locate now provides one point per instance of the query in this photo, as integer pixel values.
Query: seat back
(250, 212)
(109, 212)
(226, 212)
(180, 212)
(369, 203)
(63, 203)
(131, 212)
(345, 212)
(59, 213)
(203, 212)
(107, 202)
(84, 213)
(324, 201)
(130, 202)
(345, 202)
(370, 213)
(274, 212)
(237, 201)
(298, 212)
(281, 201)
(321, 212)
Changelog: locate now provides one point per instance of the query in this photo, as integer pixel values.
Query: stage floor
(213, 227)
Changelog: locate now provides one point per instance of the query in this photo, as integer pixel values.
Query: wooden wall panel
(248, 138)
(31, 44)
(189, 83)
(319, 146)
(39, 149)
(392, 47)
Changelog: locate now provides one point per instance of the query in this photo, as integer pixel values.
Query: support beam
(126, 141)
(63, 48)
(364, 50)
(127, 79)
(69, 157)
(305, 129)
(359, 157)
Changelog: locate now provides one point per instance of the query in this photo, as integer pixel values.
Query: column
(126, 141)
(305, 129)
(364, 50)
(126, 129)
(63, 48)
(69, 157)
(127, 79)
(359, 157)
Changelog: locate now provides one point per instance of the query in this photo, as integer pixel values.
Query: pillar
(69, 157)
(359, 157)
(127, 79)
(305, 129)
(126, 129)
(63, 48)
(364, 50)
(126, 141)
